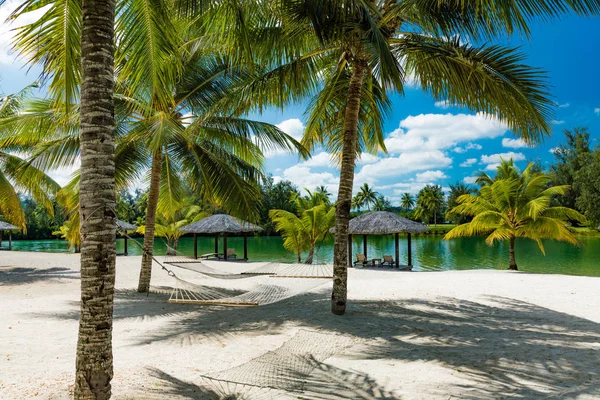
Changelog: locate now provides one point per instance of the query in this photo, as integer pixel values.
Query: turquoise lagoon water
(430, 253)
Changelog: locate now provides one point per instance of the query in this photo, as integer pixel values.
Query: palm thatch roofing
(220, 223)
(5, 226)
(383, 223)
(125, 226)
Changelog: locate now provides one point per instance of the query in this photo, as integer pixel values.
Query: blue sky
(429, 141)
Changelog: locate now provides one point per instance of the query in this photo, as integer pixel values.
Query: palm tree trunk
(344, 200)
(311, 254)
(146, 270)
(94, 362)
(512, 263)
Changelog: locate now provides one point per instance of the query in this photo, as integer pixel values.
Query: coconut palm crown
(515, 205)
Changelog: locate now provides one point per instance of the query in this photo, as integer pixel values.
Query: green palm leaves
(514, 205)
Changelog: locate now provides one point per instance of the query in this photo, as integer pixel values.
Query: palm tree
(513, 205)
(357, 202)
(94, 364)
(361, 49)
(167, 120)
(407, 201)
(368, 195)
(430, 201)
(303, 232)
(16, 174)
(381, 204)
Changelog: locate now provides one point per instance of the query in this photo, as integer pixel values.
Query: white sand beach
(416, 335)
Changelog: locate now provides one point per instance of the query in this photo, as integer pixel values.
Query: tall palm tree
(360, 49)
(407, 201)
(368, 195)
(97, 204)
(381, 204)
(167, 119)
(513, 205)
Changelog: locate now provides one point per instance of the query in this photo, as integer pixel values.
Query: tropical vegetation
(513, 205)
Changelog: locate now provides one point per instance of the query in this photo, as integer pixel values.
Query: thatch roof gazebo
(124, 227)
(5, 226)
(221, 223)
(383, 223)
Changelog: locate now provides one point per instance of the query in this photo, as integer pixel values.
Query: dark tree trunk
(146, 270)
(344, 201)
(512, 263)
(94, 363)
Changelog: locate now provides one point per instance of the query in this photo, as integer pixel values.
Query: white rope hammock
(267, 291)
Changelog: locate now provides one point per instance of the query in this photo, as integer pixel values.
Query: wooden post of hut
(0, 238)
(217, 244)
(10, 240)
(125, 245)
(225, 245)
(195, 246)
(397, 251)
(245, 246)
(409, 251)
(350, 250)
(365, 245)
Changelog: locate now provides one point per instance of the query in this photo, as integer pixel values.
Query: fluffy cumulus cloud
(497, 158)
(468, 162)
(430, 176)
(322, 159)
(427, 132)
(303, 177)
(443, 104)
(467, 147)
(469, 180)
(403, 164)
(514, 143)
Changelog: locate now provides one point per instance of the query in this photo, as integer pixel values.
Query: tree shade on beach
(515, 205)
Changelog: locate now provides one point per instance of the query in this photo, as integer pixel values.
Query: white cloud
(557, 122)
(563, 105)
(469, 146)
(430, 176)
(443, 104)
(7, 32)
(403, 164)
(470, 180)
(514, 143)
(468, 162)
(492, 167)
(427, 132)
(303, 177)
(496, 158)
(366, 158)
(323, 159)
(293, 127)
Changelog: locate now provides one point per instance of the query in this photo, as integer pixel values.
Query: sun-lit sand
(417, 335)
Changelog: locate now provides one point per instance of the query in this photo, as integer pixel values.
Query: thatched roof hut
(384, 223)
(5, 226)
(220, 223)
(125, 226)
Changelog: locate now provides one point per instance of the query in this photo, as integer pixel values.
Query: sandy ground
(416, 335)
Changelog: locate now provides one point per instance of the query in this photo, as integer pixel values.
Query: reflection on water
(430, 253)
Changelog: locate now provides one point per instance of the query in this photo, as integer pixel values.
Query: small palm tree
(407, 201)
(306, 231)
(358, 201)
(429, 202)
(381, 204)
(368, 195)
(513, 205)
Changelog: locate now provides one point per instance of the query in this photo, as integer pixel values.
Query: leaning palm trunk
(344, 201)
(146, 270)
(94, 364)
(512, 263)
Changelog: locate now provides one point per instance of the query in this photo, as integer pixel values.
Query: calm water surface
(430, 253)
